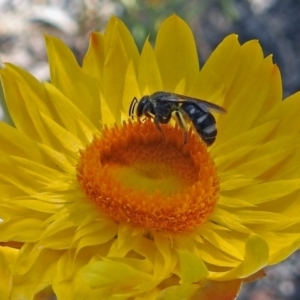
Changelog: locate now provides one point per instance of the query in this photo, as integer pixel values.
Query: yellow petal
(214, 74)
(286, 113)
(220, 240)
(71, 80)
(214, 257)
(255, 258)
(131, 90)
(243, 143)
(69, 116)
(26, 287)
(192, 267)
(148, 72)
(230, 220)
(274, 97)
(94, 58)
(93, 64)
(95, 237)
(25, 99)
(116, 26)
(120, 51)
(176, 54)
(264, 162)
(61, 139)
(59, 160)
(282, 245)
(7, 258)
(268, 191)
(110, 273)
(256, 85)
(15, 143)
(165, 259)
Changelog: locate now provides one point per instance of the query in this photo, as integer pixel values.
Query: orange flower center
(136, 176)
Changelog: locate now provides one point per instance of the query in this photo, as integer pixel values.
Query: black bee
(161, 106)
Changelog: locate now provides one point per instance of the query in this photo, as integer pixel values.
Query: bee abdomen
(204, 122)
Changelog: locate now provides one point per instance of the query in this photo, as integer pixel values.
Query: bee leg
(157, 124)
(147, 115)
(182, 124)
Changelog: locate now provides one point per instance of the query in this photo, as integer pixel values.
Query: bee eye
(142, 106)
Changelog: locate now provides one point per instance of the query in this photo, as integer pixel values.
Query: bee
(161, 106)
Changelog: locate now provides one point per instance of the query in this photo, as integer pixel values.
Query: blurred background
(276, 23)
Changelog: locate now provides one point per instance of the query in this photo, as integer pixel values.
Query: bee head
(143, 106)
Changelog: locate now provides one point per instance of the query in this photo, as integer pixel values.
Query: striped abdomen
(203, 121)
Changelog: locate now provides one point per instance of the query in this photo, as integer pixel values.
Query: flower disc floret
(139, 176)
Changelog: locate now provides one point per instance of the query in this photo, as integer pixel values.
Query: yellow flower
(106, 208)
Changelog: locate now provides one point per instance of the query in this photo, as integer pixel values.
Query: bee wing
(204, 105)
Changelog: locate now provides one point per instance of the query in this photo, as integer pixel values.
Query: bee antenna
(132, 107)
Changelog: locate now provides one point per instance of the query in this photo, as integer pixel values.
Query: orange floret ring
(136, 176)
